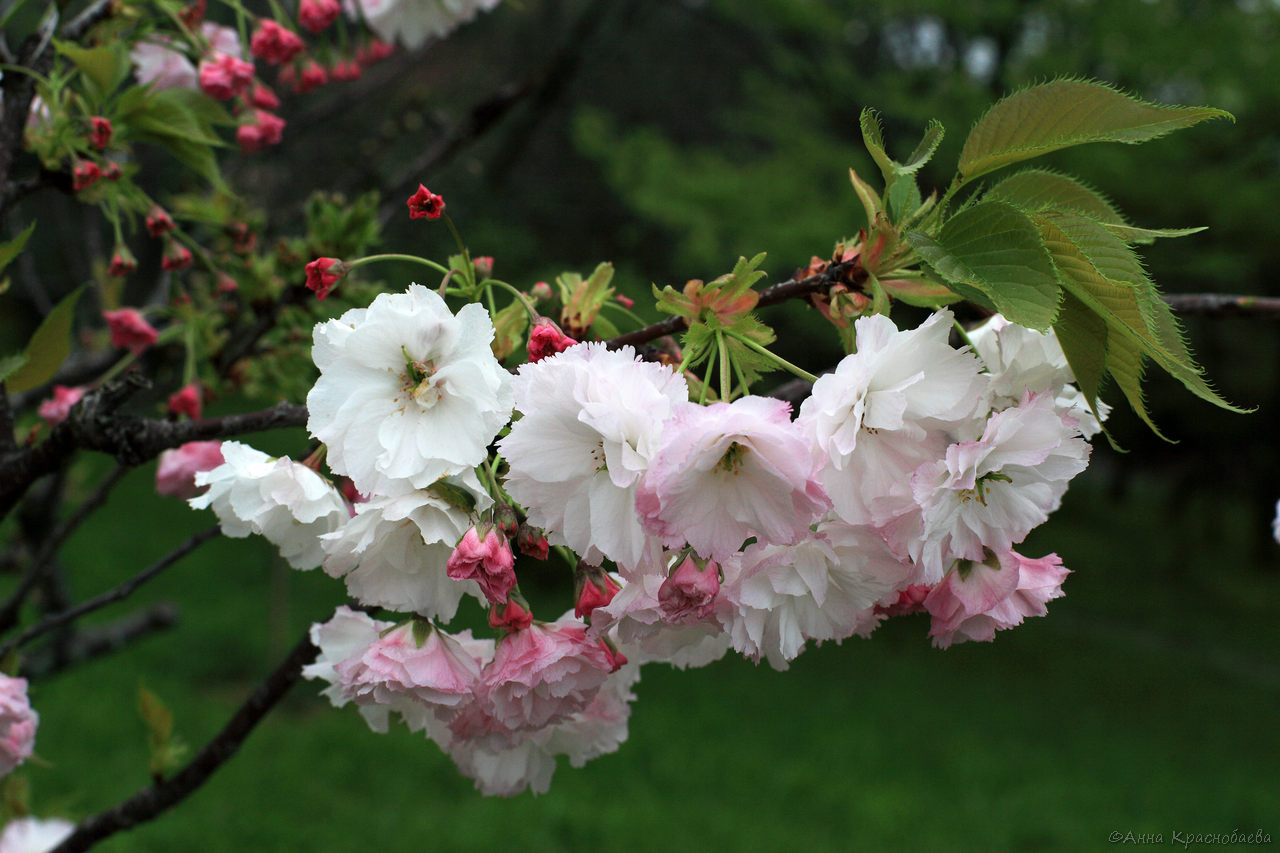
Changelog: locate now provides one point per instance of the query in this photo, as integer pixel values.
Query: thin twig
(118, 593)
(1225, 305)
(153, 801)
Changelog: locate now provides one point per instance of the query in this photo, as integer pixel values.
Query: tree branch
(87, 643)
(1225, 305)
(153, 801)
(111, 596)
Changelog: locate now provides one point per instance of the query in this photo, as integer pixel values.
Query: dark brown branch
(94, 424)
(111, 596)
(1225, 305)
(153, 801)
(847, 272)
(85, 644)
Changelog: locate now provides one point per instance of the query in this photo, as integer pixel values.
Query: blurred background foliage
(670, 137)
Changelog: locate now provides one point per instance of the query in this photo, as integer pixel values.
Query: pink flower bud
(176, 472)
(595, 589)
(85, 174)
(323, 274)
(176, 256)
(186, 401)
(625, 301)
(532, 542)
(242, 236)
(425, 204)
(263, 98)
(506, 520)
(275, 44)
(226, 284)
(122, 262)
(910, 600)
(316, 15)
(484, 266)
(223, 76)
(111, 171)
(512, 616)
(546, 339)
(346, 70)
(267, 129)
(159, 222)
(17, 723)
(540, 291)
(101, 134)
(313, 76)
(129, 330)
(56, 408)
(689, 594)
(487, 561)
(375, 51)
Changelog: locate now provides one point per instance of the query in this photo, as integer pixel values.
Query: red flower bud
(85, 174)
(323, 274)
(275, 44)
(176, 256)
(122, 262)
(512, 616)
(101, 133)
(159, 222)
(186, 401)
(317, 15)
(425, 204)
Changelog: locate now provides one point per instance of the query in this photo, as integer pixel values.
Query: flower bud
(689, 594)
(512, 616)
(100, 136)
(129, 330)
(122, 261)
(186, 401)
(316, 15)
(546, 339)
(85, 174)
(323, 274)
(425, 204)
(159, 222)
(532, 542)
(176, 256)
(506, 520)
(484, 557)
(594, 589)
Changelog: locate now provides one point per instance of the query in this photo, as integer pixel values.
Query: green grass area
(1146, 701)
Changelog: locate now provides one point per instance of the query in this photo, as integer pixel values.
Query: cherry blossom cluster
(902, 486)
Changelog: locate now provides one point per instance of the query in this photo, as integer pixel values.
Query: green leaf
(1034, 190)
(933, 134)
(992, 254)
(11, 250)
(1083, 337)
(871, 204)
(873, 139)
(1101, 270)
(178, 113)
(156, 716)
(103, 67)
(1062, 113)
(196, 156)
(9, 364)
(1040, 189)
(903, 198)
(48, 347)
(453, 494)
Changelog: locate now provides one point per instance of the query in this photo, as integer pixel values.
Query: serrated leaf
(1136, 235)
(49, 346)
(1100, 270)
(1083, 337)
(992, 254)
(11, 250)
(1063, 113)
(873, 139)
(933, 133)
(1040, 189)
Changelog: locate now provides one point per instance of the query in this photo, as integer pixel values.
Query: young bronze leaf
(1063, 113)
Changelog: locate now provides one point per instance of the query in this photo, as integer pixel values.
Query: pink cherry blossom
(415, 663)
(727, 472)
(55, 410)
(486, 560)
(976, 599)
(129, 330)
(17, 723)
(223, 76)
(689, 594)
(177, 468)
(186, 401)
(544, 673)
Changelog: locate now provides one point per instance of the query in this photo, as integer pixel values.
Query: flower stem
(368, 259)
(774, 357)
(534, 316)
